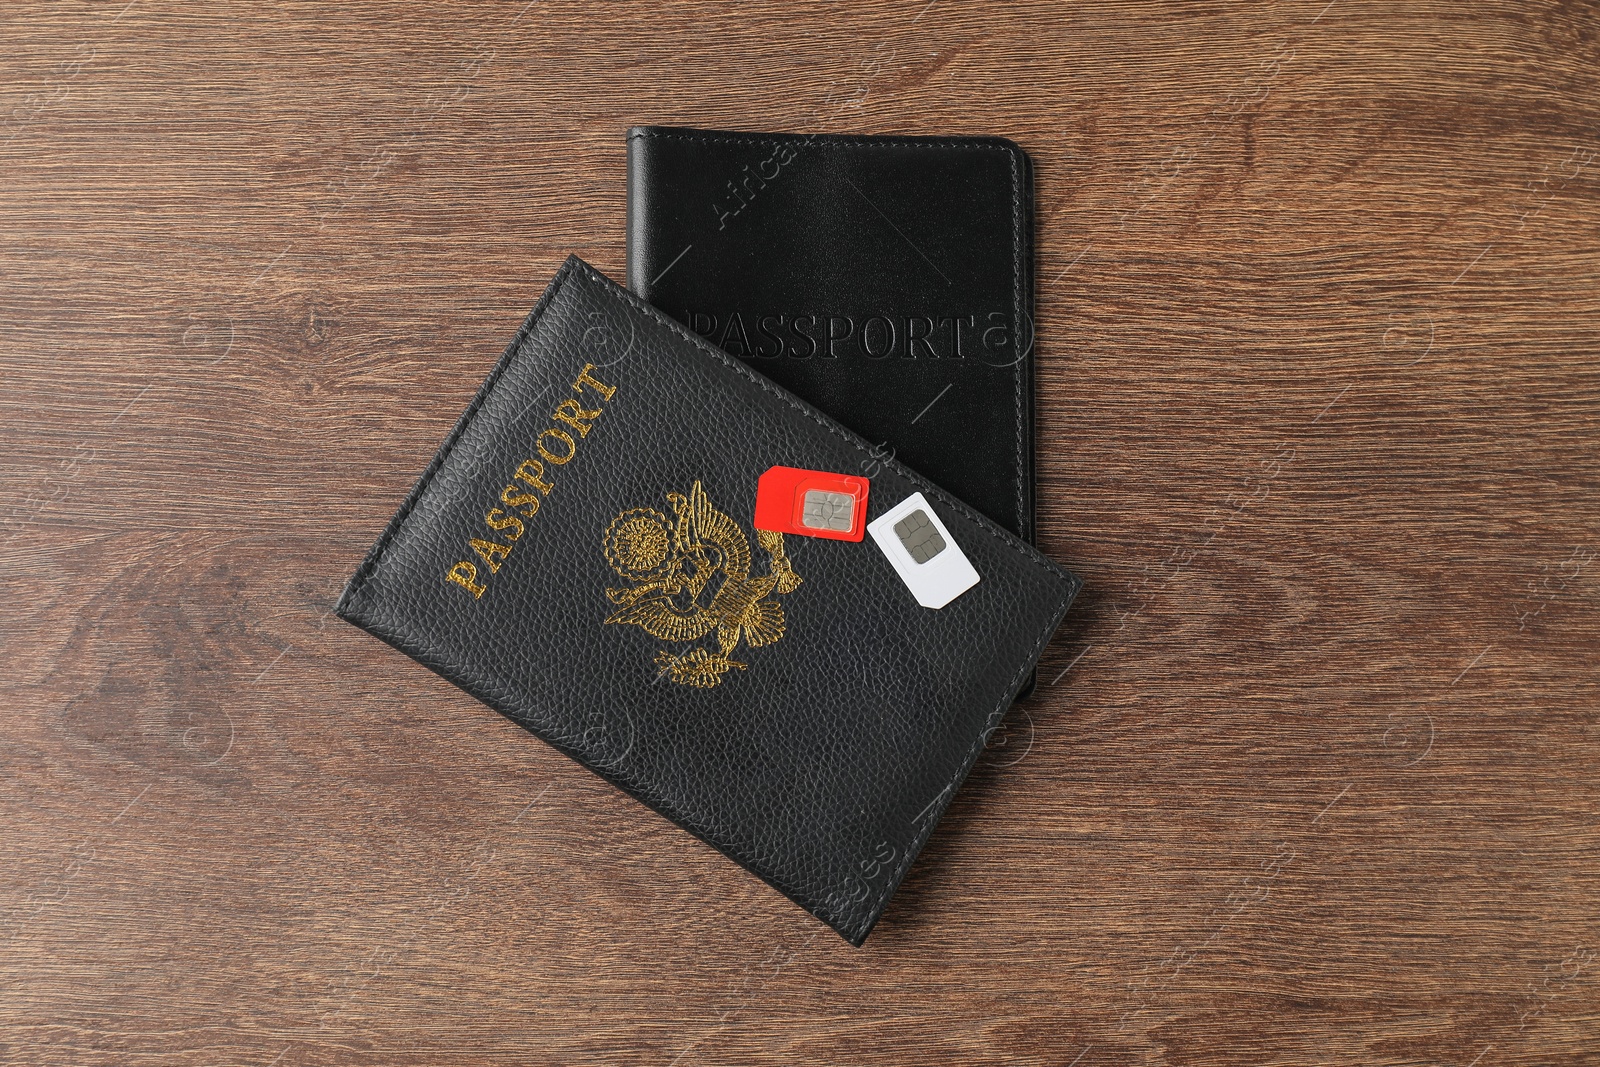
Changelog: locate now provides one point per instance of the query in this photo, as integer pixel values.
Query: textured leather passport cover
(579, 555)
(886, 280)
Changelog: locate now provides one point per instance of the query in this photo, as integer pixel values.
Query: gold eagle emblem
(690, 576)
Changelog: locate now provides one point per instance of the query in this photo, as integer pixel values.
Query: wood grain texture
(1311, 778)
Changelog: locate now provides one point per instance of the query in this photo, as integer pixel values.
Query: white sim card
(923, 552)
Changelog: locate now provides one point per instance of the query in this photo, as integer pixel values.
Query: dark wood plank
(1311, 775)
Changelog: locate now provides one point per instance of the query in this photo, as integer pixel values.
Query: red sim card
(812, 503)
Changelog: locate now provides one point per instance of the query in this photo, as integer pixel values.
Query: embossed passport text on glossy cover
(580, 556)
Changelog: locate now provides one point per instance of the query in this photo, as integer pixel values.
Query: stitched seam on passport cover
(1024, 514)
(836, 139)
(370, 564)
(1027, 552)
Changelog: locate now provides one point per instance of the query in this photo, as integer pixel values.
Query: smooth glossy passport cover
(886, 280)
(579, 556)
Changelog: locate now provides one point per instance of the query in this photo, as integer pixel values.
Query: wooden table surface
(1311, 777)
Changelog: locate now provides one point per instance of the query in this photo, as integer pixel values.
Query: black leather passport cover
(886, 280)
(579, 556)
